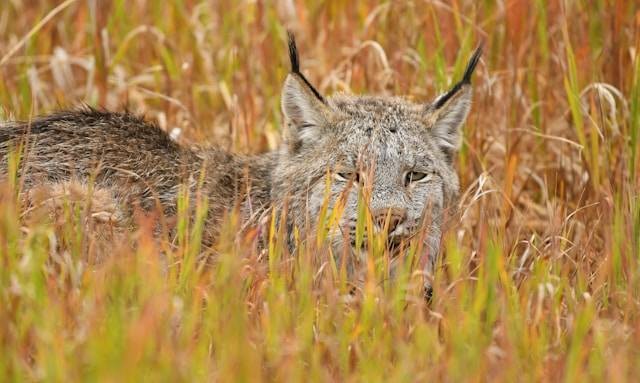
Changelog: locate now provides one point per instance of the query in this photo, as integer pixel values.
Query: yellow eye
(348, 176)
(414, 177)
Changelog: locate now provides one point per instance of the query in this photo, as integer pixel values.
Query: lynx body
(398, 153)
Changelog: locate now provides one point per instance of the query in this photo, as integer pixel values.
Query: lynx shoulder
(128, 158)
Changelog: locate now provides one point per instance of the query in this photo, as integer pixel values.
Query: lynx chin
(389, 155)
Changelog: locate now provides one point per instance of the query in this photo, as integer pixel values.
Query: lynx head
(398, 153)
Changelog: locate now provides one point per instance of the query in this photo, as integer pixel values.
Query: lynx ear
(304, 109)
(304, 114)
(447, 113)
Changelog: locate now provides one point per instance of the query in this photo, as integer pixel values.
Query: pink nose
(395, 216)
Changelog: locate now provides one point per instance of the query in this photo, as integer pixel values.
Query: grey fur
(377, 140)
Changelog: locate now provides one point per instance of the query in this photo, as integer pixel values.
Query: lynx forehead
(397, 151)
(380, 119)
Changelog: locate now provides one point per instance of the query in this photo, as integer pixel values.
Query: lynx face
(397, 155)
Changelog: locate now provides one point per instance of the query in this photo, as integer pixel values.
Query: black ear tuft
(295, 66)
(466, 78)
(471, 66)
(293, 53)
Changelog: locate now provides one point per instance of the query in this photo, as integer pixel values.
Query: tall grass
(539, 278)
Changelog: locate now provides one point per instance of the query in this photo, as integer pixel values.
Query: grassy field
(540, 274)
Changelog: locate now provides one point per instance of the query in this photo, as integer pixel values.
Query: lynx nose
(395, 216)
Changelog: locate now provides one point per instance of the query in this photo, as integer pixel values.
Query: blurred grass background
(540, 278)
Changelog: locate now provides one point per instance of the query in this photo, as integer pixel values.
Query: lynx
(396, 155)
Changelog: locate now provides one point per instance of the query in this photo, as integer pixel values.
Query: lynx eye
(348, 176)
(415, 177)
